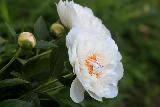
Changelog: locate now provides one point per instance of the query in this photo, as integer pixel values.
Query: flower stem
(45, 84)
(11, 61)
(39, 55)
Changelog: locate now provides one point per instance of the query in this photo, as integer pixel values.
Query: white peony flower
(92, 52)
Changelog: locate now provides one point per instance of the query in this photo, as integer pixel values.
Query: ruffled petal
(71, 15)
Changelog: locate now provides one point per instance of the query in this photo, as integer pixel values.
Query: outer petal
(119, 70)
(77, 91)
(93, 95)
(66, 12)
(111, 91)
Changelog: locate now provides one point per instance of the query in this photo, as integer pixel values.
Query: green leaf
(4, 10)
(12, 82)
(65, 100)
(32, 98)
(45, 44)
(9, 50)
(11, 31)
(2, 40)
(38, 70)
(16, 74)
(68, 68)
(67, 72)
(58, 56)
(15, 103)
(40, 29)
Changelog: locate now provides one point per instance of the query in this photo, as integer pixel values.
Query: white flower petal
(72, 15)
(119, 70)
(111, 91)
(66, 13)
(77, 91)
(93, 95)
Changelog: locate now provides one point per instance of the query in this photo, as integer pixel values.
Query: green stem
(51, 82)
(57, 87)
(11, 61)
(45, 84)
(37, 56)
(68, 75)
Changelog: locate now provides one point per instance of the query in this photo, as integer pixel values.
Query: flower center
(93, 65)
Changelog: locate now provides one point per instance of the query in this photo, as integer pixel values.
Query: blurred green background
(135, 26)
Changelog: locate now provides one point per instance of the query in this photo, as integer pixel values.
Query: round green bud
(57, 29)
(26, 40)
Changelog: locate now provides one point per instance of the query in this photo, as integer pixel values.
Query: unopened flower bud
(26, 40)
(57, 29)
